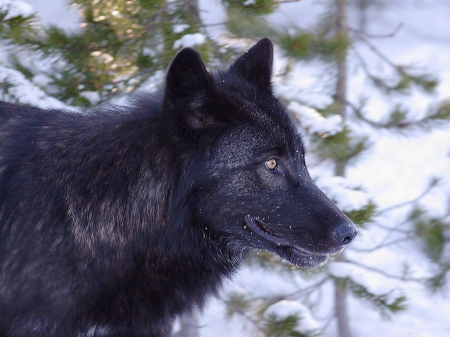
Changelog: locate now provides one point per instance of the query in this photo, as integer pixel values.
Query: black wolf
(116, 220)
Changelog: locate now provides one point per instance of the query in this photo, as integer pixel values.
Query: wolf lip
(265, 228)
(301, 259)
(265, 231)
(283, 248)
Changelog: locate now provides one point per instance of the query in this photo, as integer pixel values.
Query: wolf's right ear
(256, 64)
(187, 78)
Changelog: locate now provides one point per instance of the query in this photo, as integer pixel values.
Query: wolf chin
(116, 220)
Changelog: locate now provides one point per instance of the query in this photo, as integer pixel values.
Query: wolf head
(243, 161)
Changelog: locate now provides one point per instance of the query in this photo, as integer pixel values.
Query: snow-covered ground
(398, 168)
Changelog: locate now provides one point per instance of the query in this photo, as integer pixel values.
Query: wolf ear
(188, 84)
(256, 64)
(187, 78)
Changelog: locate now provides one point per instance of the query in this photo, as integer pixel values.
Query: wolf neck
(134, 246)
(173, 265)
(176, 275)
(195, 272)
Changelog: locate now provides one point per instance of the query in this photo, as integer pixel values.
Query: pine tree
(125, 45)
(17, 24)
(120, 45)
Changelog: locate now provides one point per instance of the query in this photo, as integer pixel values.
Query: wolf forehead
(262, 119)
(255, 142)
(262, 141)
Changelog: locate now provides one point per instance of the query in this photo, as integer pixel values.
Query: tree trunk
(362, 6)
(340, 305)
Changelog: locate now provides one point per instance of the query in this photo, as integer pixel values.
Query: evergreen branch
(424, 81)
(381, 302)
(398, 121)
(432, 231)
(376, 51)
(394, 229)
(377, 36)
(308, 290)
(400, 86)
(296, 294)
(358, 113)
(238, 309)
(400, 69)
(16, 29)
(438, 281)
(224, 23)
(272, 325)
(328, 321)
(388, 275)
(386, 244)
(283, 326)
(138, 74)
(433, 183)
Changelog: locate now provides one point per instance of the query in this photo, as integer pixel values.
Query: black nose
(345, 233)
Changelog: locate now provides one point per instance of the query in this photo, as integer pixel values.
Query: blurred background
(368, 84)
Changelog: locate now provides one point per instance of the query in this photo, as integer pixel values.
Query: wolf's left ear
(256, 64)
(187, 77)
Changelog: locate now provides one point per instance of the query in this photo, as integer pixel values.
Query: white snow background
(398, 168)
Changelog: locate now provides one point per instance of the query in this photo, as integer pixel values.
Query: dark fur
(115, 221)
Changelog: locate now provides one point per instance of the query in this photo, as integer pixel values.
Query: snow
(314, 122)
(180, 28)
(15, 9)
(343, 192)
(56, 12)
(190, 40)
(396, 169)
(28, 92)
(92, 96)
(41, 80)
(285, 308)
(377, 283)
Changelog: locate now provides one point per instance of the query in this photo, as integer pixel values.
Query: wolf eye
(271, 164)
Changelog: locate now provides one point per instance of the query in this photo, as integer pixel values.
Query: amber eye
(271, 164)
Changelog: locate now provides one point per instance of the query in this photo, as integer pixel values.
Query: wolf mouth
(283, 247)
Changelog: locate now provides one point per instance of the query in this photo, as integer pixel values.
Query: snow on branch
(314, 122)
(343, 193)
(378, 288)
(190, 40)
(15, 9)
(15, 87)
(286, 308)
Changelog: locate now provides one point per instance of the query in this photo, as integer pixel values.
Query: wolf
(116, 220)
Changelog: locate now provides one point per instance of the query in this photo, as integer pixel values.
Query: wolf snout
(345, 233)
